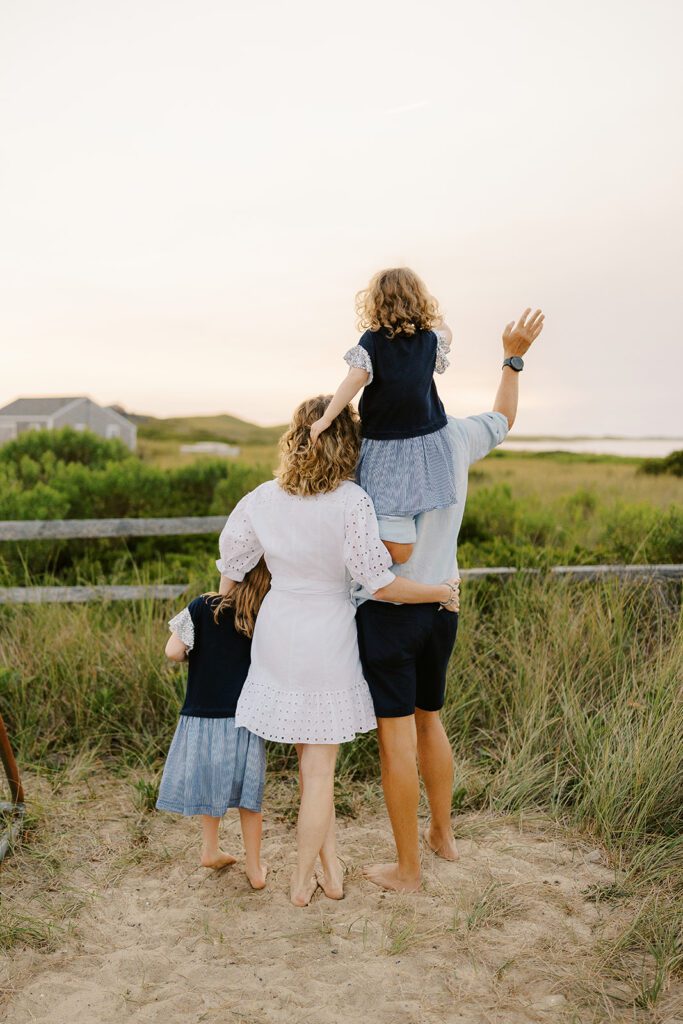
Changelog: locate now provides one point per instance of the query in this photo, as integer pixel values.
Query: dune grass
(564, 701)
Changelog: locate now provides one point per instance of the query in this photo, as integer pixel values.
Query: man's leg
(435, 759)
(401, 784)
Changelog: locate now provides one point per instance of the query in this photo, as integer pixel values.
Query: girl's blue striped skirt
(212, 765)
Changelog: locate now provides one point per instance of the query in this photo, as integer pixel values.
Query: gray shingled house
(81, 413)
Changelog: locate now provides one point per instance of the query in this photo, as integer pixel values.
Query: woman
(305, 685)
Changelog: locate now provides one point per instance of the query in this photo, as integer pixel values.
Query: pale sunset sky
(191, 192)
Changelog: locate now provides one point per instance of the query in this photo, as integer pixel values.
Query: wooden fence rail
(170, 591)
(78, 529)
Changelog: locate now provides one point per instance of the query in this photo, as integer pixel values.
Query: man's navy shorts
(404, 651)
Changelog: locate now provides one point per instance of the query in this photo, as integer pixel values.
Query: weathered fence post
(15, 809)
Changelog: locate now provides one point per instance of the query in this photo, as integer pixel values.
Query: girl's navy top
(218, 659)
(401, 400)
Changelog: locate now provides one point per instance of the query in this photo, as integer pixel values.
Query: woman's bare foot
(386, 876)
(216, 860)
(257, 875)
(301, 895)
(331, 881)
(443, 845)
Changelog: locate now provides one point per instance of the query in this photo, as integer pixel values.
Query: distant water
(644, 447)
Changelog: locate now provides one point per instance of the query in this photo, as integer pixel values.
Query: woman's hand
(453, 602)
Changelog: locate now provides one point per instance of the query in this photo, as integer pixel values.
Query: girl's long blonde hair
(396, 301)
(306, 468)
(245, 597)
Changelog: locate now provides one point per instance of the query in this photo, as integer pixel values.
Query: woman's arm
(348, 389)
(403, 591)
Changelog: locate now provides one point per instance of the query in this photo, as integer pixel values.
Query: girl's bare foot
(386, 876)
(301, 895)
(331, 881)
(216, 859)
(443, 845)
(257, 875)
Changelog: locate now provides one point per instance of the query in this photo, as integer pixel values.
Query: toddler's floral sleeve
(239, 547)
(360, 358)
(366, 557)
(443, 347)
(183, 626)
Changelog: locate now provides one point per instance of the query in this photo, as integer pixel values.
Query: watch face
(517, 363)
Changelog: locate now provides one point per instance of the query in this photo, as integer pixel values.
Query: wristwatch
(515, 363)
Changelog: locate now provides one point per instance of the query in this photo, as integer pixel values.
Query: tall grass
(564, 698)
(561, 695)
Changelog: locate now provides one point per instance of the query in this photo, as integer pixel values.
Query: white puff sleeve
(443, 347)
(239, 547)
(183, 626)
(360, 358)
(366, 557)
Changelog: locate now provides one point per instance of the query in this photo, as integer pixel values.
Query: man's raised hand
(519, 337)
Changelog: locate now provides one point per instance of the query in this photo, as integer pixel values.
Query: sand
(510, 933)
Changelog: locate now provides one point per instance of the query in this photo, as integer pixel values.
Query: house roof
(37, 406)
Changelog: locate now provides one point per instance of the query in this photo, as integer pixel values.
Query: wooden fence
(79, 529)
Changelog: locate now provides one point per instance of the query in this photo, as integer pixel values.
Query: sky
(192, 191)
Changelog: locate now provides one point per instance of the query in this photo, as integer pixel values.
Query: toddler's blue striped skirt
(409, 475)
(212, 765)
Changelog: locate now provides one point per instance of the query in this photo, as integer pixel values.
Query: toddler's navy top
(401, 400)
(218, 659)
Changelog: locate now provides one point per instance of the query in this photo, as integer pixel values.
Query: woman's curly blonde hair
(307, 468)
(245, 597)
(396, 301)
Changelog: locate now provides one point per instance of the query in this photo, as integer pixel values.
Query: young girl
(406, 462)
(212, 764)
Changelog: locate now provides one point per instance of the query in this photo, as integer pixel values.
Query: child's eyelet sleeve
(239, 547)
(443, 347)
(360, 358)
(183, 626)
(366, 557)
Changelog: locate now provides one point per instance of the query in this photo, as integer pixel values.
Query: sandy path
(506, 934)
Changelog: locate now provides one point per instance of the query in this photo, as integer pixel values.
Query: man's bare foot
(442, 845)
(301, 895)
(386, 876)
(217, 860)
(257, 875)
(331, 881)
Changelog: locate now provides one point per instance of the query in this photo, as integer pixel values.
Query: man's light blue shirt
(435, 555)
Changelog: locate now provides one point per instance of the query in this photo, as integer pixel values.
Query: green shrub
(672, 463)
(65, 445)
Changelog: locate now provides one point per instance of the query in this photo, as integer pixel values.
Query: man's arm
(517, 340)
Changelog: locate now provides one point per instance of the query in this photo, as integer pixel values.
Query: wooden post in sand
(11, 770)
(15, 809)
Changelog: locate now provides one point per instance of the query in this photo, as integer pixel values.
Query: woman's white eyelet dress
(305, 684)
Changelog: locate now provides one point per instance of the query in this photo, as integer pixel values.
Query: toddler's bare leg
(212, 856)
(400, 553)
(252, 827)
(398, 534)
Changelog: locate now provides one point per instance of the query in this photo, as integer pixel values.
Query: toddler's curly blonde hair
(307, 468)
(396, 301)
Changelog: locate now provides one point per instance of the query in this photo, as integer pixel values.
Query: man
(405, 649)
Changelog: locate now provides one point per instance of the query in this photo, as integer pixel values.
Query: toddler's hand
(317, 428)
